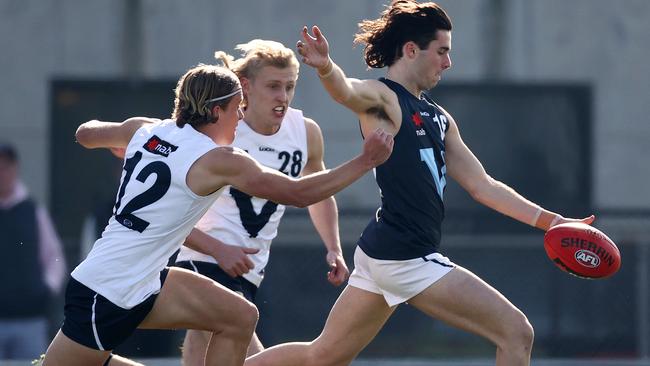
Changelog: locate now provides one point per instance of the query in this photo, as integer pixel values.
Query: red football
(582, 250)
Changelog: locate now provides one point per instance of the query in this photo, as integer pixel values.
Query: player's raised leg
(353, 322)
(229, 317)
(463, 300)
(65, 352)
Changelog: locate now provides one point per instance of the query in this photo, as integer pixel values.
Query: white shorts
(398, 281)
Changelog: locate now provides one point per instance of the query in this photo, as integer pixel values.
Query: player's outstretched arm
(235, 167)
(100, 134)
(467, 170)
(357, 95)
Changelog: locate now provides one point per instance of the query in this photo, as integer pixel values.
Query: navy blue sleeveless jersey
(411, 183)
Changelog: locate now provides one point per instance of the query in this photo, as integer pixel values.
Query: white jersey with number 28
(238, 219)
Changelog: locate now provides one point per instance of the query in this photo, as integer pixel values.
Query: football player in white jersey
(173, 171)
(278, 137)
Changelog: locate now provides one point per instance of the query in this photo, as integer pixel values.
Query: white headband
(223, 96)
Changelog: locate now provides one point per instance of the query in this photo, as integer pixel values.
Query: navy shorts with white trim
(95, 322)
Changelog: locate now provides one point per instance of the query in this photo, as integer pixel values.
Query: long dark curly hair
(402, 21)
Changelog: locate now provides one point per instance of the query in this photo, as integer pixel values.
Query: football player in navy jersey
(174, 169)
(398, 257)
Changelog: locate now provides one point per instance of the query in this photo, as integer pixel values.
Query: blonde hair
(257, 54)
(195, 90)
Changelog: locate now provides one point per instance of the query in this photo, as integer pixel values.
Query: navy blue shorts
(213, 271)
(93, 321)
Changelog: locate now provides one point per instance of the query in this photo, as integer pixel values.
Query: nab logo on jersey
(159, 147)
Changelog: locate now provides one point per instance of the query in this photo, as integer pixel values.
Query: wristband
(533, 221)
(325, 75)
(555, 220)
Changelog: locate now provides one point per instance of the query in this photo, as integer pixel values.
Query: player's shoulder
(293, 116)
(135, 123)
(295, 112)
(386, 108)
(386, 93)
(377, 83)
(450, 119)
(437, 106)
(223, 160)
(224, 152)
(144, 120)
(296, 120)
(312, 131)
(310, 123)
(297, 115)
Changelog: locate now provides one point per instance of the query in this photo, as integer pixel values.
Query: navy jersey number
(251, 221)
(439, 173)
(151, 195)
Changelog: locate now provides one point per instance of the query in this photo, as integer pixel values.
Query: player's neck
(398, 74)
(259, 124)
(218, 133)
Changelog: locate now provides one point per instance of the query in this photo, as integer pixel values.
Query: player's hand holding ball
(582, 250)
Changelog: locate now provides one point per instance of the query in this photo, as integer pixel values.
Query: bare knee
(519, 333)
(242, 321)
(524, 331)
(250, 316)
(319, 356)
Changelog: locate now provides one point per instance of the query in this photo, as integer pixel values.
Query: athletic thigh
(355, 319)
(189, 300)
(65, 352)
(463, 300)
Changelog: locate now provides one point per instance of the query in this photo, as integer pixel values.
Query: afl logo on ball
(587, 258)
